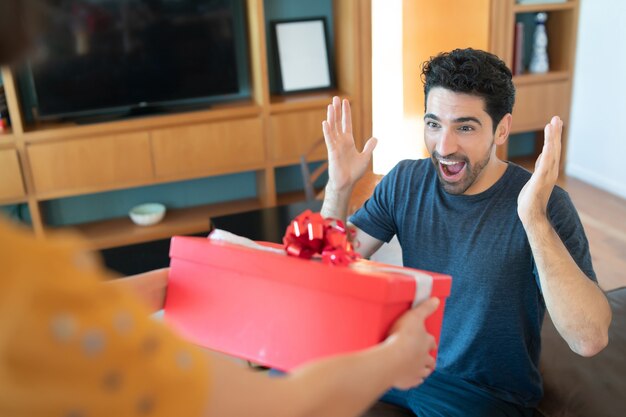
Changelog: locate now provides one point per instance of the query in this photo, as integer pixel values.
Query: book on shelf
(518, 49)
(4, 111)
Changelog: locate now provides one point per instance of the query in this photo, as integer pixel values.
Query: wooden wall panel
(429, 28)
(209, 148)
(11, 184)
(90, 165)
(292, 134)
(535, 104)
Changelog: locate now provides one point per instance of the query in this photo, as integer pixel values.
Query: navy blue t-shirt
(491, 329)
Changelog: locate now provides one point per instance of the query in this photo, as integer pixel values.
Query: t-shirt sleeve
(566, 222)
(376, 216)
(72, 345)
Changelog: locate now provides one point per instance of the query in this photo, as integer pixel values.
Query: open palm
(533, 199)
(346, 165)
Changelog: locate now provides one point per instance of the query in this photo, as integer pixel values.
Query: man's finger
(337, 109)
(346, 119)
(369, 147)
(330, 143)
(330, 117)
(552, 145)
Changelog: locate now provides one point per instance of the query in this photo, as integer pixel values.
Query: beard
(472, 171)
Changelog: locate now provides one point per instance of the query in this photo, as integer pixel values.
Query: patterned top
(71, 346)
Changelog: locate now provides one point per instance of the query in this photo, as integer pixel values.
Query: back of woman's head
(17, 28)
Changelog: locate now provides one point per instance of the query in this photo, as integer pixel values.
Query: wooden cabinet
(292, 134)
(90, 165)
(208, 149)
(539, 96)
(529, 115)
(259, 135)
(11, 184)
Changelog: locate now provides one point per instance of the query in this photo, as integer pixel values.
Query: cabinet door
(292, 134)
(208, 149)
(11, 184)
(90, 165)
(535, 104)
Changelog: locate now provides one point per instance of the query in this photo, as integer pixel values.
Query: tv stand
(140, 111)
(144, 111)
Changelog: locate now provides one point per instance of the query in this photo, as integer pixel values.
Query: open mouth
(451, 170)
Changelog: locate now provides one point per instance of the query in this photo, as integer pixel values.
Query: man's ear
(504, 129)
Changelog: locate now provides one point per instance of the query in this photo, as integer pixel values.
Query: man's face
(459, 136)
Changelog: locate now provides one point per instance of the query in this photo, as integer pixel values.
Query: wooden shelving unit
(539, 96)
(546, 7)
(525, 79)
(63, 131)
(6, 140)
(283, 103)
(121, 231)
(258, 135)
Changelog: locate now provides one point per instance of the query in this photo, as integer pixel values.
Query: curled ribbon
(310, 234)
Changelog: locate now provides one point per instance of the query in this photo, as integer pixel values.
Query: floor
(604, 218)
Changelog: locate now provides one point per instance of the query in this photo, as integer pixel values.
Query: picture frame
(302, 57)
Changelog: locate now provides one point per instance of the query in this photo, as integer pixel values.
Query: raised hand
(346, 165)
(413, 345)
(532, 201)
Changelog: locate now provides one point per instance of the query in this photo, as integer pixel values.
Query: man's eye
(466, 128)
(432, 125)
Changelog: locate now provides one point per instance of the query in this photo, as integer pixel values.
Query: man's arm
(577, 306)
(346, 166)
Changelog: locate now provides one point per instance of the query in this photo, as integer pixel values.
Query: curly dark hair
(473, 72)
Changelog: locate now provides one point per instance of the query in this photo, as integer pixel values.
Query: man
(512, 241)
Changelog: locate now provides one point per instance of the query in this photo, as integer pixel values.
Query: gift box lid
(363, 282)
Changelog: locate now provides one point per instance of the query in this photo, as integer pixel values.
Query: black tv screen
(109, 56)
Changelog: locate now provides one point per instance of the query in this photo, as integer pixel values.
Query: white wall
(395, 124)
(597, 138)
(387, 86)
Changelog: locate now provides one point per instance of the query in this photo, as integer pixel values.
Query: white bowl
(147, 214)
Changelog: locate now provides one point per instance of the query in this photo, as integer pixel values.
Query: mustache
(436, 156)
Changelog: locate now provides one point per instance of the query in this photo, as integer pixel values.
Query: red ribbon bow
(309, 234)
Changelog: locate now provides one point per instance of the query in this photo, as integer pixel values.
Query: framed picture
(302, 57)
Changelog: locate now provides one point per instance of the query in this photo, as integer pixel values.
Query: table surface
(267, 224)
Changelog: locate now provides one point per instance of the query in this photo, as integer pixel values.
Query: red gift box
(281, 311)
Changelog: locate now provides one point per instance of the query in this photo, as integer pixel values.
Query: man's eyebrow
(457, 120)
(467, 119)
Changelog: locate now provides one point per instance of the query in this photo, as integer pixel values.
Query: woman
(73, 346)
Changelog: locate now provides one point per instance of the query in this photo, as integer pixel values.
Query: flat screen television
(102, 57)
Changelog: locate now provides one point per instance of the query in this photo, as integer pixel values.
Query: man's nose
(447, 144)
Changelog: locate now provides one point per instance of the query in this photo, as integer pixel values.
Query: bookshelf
(42, 162)
(543, 7)
(539, 96)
